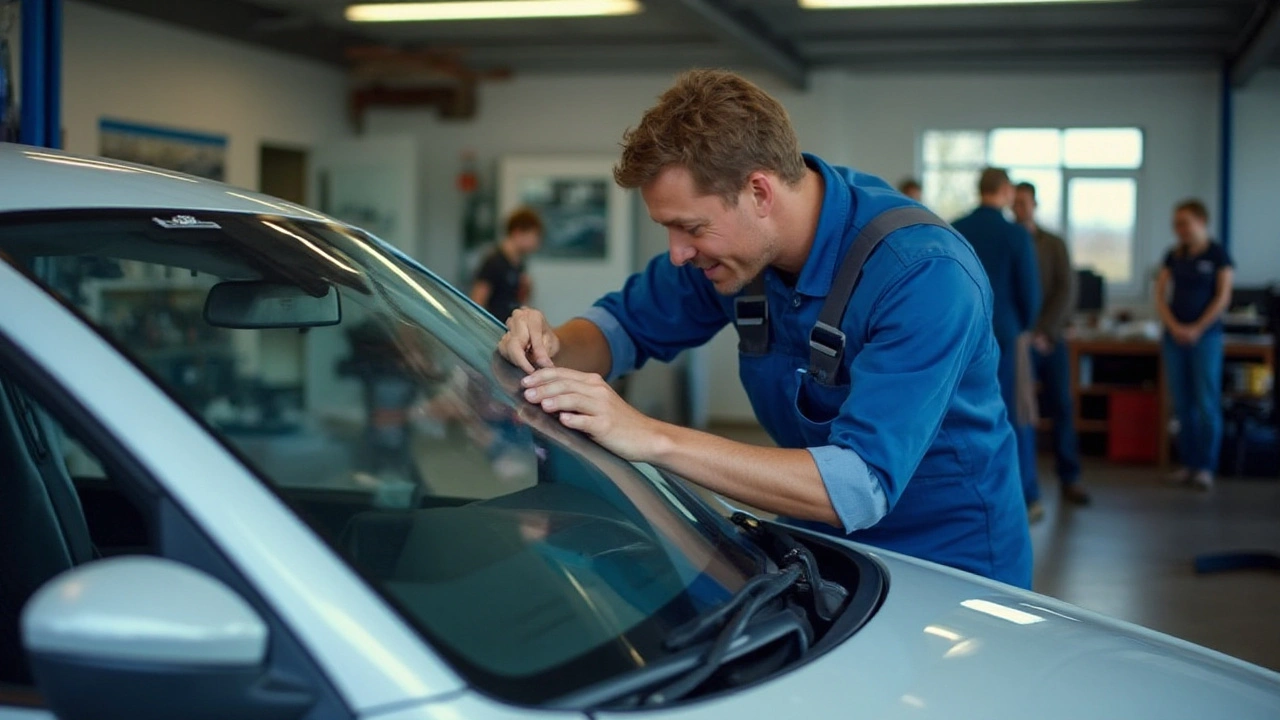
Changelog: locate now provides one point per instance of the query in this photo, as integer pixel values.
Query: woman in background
(1199, 271)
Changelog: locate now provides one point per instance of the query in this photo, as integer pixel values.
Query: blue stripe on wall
(188, 136)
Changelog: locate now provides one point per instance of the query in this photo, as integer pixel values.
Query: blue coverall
(912, 444)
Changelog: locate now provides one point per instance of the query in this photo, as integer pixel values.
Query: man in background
(501, 284)
(911, 188)
(1006, 253)
(1048, 342)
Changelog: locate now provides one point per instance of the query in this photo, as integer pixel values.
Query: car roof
(33, 179)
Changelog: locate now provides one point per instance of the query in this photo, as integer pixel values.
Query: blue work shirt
(912, 443)
(1009, 257)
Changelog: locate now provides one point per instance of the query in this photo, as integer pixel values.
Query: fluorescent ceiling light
(487, 10)
(859, 4)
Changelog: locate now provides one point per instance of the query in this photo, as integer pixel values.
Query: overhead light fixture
(488, 10)
(864, 4)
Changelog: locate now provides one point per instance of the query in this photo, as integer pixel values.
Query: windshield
(535, 561)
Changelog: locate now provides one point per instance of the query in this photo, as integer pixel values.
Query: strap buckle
(826, 339)
(749, 310)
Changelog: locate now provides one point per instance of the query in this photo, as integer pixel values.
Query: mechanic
(884, 403)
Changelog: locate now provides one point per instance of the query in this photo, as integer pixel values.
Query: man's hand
(530, 342)
(585, 402)
(1042, 343)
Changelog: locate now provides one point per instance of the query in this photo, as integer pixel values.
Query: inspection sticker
(186, 222)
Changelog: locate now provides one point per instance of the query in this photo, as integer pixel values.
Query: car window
(533, 560)
(58, 509)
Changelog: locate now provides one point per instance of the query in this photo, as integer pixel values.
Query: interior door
(372, 183)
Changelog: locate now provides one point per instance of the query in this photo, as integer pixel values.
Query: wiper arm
(826, 597)
(749, 600)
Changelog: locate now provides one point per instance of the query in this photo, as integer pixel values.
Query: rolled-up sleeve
(853, 488)
(621, 348)
(659, 311)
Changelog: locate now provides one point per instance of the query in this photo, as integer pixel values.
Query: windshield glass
(535, 561)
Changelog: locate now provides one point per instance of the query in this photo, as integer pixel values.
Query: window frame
(1140, 246)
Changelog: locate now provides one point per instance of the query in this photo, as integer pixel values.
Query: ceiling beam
(747, 32)
(248, 22)
(1260, 48)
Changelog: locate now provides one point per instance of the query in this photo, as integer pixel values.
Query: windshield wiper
(825, 597)
(754, 595)
(799, 572)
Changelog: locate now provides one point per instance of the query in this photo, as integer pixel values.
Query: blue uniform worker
(1009, 258)
(911, 441)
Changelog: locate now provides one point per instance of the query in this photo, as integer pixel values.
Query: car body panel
(39, 179)
(946, 644)
(371, 655)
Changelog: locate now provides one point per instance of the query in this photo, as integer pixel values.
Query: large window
(1086, 182)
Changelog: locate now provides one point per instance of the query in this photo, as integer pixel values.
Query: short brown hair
(524, 218)
(908, 185)
(719, 127)
(1195, 207)
(1026, 187)
(992, 180)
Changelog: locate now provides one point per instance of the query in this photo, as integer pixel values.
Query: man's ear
(760, 193)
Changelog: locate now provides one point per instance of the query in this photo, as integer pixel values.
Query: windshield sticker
(186, 222)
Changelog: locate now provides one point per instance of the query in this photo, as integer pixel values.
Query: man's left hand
(585, 402)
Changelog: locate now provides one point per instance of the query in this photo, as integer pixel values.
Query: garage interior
(416, 129)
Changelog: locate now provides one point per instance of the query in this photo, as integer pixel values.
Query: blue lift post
(41, 115)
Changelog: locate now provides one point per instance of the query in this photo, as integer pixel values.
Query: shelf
(1108, 388)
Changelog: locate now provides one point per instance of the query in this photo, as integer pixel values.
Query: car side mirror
(144, 637)
(255, 304)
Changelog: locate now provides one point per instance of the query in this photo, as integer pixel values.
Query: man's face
(527, 241)
(730, 245)
(1189, 228)
(1024, 207)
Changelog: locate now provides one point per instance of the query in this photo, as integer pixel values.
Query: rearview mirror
(255, 304)
(146, 637)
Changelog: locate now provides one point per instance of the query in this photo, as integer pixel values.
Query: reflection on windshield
(533, 560)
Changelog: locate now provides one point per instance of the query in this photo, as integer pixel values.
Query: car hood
(946, 644)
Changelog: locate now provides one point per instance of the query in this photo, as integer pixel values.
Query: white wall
(1255, 177)
(125, 67)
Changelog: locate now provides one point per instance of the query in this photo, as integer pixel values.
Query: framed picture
(194, 153)
(587, 241)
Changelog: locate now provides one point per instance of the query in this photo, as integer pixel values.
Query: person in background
(1007, 254)
(911, 188)
(1193, 289)
(501, 284)
(1048, 344)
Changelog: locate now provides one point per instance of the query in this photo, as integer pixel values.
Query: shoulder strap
(826, 339)
(751, 318)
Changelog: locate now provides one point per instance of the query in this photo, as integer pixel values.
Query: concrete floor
(1129, 554)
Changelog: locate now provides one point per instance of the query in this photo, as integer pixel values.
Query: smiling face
(729, 244)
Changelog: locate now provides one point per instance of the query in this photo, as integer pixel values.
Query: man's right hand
(530, 342)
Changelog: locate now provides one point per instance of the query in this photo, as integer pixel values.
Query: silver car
(255, 463)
